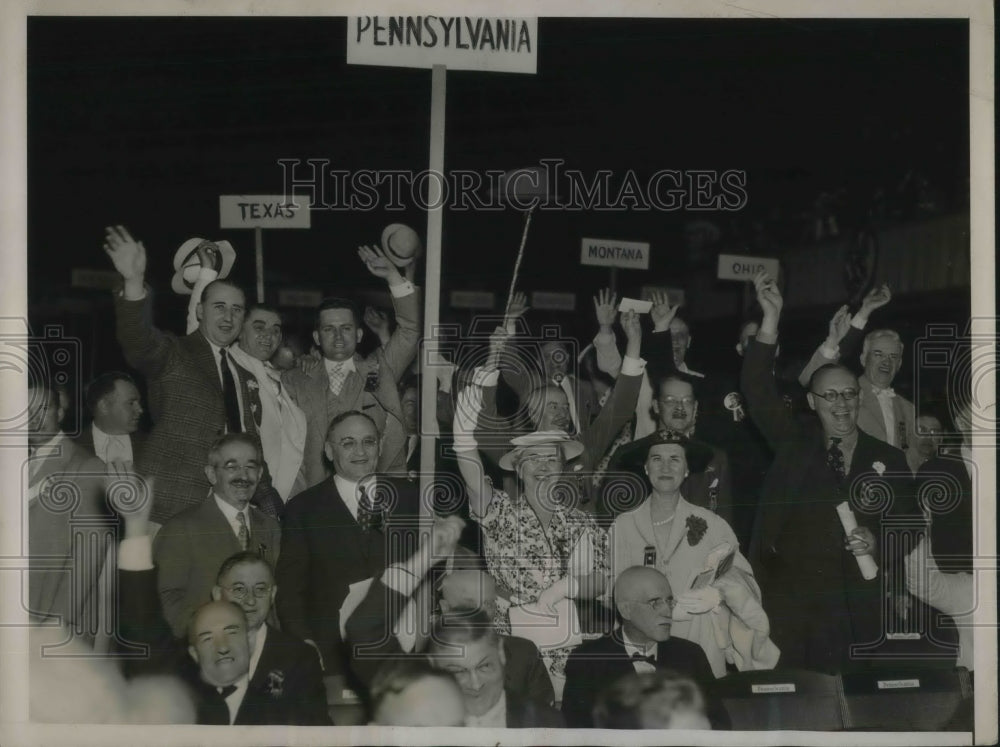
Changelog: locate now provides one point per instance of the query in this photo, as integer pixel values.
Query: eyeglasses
(658, 603)
(240, 592)
(671, 401)
(849, 395)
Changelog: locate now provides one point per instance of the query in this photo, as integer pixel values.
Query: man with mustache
(197, 392)
(189, 549)
(643, 643)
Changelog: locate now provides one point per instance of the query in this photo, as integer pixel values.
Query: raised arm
(401, 347)
(619, 408)
(659, 351)
(609, 360)
(764, 404)
(470, 464)
(145, 347)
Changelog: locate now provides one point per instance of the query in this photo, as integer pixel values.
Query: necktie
(234, 423)
(337, 376)
(884, 398)
(226, 691)
(835, 458)
(563, 383)
(636, 656)
(368, 517)
(244, 534)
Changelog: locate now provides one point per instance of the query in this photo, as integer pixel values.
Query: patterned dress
(526, 559)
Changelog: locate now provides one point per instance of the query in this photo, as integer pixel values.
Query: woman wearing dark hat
(718, 601)
(539, 546)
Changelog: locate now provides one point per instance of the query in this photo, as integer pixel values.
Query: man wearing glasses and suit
(817, 599)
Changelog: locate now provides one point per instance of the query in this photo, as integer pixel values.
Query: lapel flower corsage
(371, 378)
(696, 528)
(878, 467)
(275, 683)
(252, 385)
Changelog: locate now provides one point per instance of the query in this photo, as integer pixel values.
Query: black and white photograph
(525, 374)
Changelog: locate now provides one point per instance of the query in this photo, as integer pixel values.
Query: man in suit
(819, 604)
(63, 487)
(643, 643)
(467, 646)
(282, 424)
(238, 670)
(345, 381)
(280, 665)
(191, 546)
(338, 533)
(197, 392)
(115, 408)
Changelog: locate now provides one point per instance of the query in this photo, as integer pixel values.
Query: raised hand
(380, 265)
(127, 254)
(839, 325)
(377, 321)
(662, 312)
(861, 541)
(604, 307)
(631, 325)
(518, 305)
(445, 532)
(874, 299)
(130, 495)
(768, 295)
(209, 255)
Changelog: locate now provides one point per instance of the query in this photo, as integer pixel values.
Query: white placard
(263, 211)
(897, 684)
(778, 687)
(631, 255)
(738, 267)
(552, 301)
(473, 299)
(489, 44)
(308, 299)
(633, 304)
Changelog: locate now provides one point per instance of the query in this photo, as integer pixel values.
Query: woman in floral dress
(539, 547)
(723, 614)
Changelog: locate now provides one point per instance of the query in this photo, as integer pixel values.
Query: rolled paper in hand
(869, 569)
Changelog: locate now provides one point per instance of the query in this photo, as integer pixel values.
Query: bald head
(645, 602)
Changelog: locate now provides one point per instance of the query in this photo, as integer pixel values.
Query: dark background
(147, 121)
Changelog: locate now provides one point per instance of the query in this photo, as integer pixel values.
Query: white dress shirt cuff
(633, 366)
(136, 554)
(828, 352)
(858, 323)
(767, 337)
(402, 289)
(400, 580)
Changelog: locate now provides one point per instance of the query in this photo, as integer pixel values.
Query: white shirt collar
(102, 440)
(258, 649)
(643, 649)
(496, 717)
(348, 494)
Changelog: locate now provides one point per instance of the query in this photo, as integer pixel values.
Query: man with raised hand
(197, 392)
(346, 381)
(817, 597)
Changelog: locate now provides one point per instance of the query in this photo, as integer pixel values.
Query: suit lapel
(219, 523)
(677, 528)
(204, 357)
(258, 540)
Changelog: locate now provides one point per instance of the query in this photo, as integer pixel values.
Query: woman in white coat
(721, 611)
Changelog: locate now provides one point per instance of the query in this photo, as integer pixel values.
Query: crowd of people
(606, 534)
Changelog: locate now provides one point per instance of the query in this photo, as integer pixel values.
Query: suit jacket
(945, 478)
(372, 389)
(598, 663)
(814, 593)
(66, 516)
(189, 549)
(525, 713)
(369, 633)
(286, 688)
(185, 401)
(325, 551)
(86, 440)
